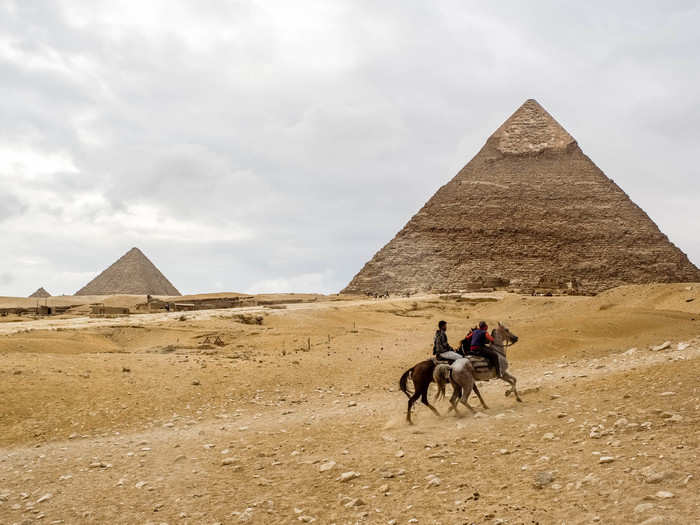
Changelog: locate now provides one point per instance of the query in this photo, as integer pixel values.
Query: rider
(441, 348)
(479, 338)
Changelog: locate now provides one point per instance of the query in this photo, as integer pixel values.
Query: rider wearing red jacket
(479, 338)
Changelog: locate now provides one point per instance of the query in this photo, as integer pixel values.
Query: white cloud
(21, 162)
(258, 144)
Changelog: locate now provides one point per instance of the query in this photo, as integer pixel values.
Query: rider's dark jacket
(440, 343)
(479, 338)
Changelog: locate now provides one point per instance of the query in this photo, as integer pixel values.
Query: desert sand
(294, 415)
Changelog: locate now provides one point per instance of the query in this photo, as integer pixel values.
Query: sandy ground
(157, 423)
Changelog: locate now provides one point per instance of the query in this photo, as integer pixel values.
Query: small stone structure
(102, 310)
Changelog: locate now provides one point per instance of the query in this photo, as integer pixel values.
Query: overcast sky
(276, 146)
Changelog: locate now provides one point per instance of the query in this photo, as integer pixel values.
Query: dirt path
(608, 440)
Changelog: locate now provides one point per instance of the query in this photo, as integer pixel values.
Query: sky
(276, 146)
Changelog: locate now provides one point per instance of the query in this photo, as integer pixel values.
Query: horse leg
(424, 399)
(411, 401)
(466, 391)
(456, 394)
(511, 381)
(478, 394)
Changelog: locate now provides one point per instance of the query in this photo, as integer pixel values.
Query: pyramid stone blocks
(529, 211)
(132, 274)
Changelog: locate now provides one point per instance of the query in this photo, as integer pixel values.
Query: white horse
(464, 373)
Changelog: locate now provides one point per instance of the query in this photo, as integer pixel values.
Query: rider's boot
(497, 364)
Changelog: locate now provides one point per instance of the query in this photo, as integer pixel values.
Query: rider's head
(442, 325)
(483, 325)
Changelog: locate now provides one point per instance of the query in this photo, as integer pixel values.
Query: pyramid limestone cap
(531, 130)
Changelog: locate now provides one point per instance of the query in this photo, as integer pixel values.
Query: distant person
(441, 348)
(479, 338)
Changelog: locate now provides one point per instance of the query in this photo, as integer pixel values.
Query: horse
(422, 375)
(463, 374)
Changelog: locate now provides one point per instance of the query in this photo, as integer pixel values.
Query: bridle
(506, 338)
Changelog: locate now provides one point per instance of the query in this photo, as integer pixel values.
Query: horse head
(502, 335)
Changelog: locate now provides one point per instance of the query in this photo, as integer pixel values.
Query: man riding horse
(478, 339)
(441, 348)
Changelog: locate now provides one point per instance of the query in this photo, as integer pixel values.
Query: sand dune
(159, 422)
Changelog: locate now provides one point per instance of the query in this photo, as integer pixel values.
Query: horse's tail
(403, 382)
(441, 376)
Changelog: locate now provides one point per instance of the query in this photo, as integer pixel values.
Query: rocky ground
(299, 418)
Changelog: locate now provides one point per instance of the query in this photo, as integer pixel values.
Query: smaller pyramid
(41, 293)
(132, 274)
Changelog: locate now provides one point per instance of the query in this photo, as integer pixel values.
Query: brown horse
(422, 375)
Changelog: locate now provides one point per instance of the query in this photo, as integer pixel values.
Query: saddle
(480, 364)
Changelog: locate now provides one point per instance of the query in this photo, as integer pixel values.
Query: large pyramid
(529, 211)
(133, 274)
(41, 293)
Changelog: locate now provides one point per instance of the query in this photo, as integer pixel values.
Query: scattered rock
(662, 346)
(328, 465)
(45, 497)
(606, 459)
(347, 476)
(433, 480)
(643, 507)
(664, 494)
(355, 502)
(196, 382)
(544, 478)
(548, 436)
